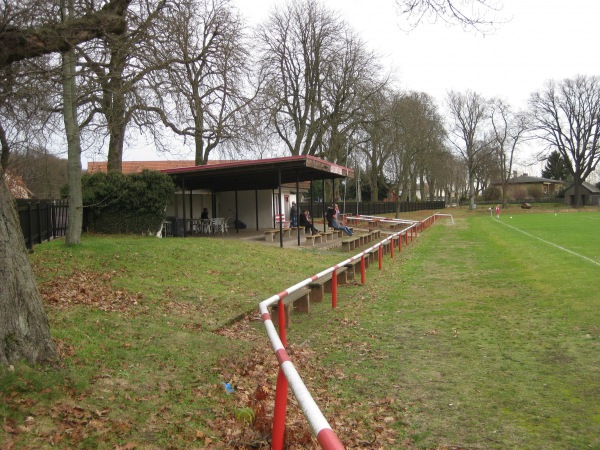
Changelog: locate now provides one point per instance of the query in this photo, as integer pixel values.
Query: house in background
(590, 195)
(525, 186)
(17, 186)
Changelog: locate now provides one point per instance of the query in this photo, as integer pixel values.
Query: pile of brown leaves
(88, 288)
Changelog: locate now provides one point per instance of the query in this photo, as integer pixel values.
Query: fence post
(362, 269)
(392, 247)
(281, 390)
(282, 324)
(281, 394)
(334, 284)
(30, 223)
(380, 256)
(39, 222)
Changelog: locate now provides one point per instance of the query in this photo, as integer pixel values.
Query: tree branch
(19, 44)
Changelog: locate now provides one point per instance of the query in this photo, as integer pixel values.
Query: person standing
(497, 211)
(294, 215)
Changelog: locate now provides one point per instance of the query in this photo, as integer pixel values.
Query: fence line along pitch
(288, 374)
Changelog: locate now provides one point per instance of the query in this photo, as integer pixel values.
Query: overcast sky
(541, 40)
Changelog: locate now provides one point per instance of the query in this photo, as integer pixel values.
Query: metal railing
(288, 375)
(371, 208)
(42, 220)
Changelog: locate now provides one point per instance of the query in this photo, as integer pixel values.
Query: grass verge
(478, 335)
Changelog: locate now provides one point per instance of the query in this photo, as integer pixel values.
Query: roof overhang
(257, 174)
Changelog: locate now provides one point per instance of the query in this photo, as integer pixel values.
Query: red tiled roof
(17, 186)
(138, 166)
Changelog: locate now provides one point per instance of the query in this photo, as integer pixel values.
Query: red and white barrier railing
(288, 375)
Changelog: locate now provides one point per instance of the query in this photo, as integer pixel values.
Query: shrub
(535, 192)
(492, 193)
(518, 194)
(117, 203)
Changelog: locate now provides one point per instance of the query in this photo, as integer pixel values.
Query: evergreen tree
(556, 167)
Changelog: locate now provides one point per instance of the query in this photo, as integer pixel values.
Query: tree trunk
(115, 148)
(75, 212)
(116, 121)
(24, 329)
(471, 192)
(577, 192)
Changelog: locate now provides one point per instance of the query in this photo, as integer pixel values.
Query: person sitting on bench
(332, 220)
(307, 223)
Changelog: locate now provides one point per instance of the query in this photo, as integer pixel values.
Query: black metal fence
(372, 208)
(42, 220)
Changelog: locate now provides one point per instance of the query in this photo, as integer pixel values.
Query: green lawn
(482, 334)
(486, 336)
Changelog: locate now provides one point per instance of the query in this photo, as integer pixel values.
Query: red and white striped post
(281, 391)
(281, 320)
(281, 395)
(288, 376)
(362, 269)
(334, 284)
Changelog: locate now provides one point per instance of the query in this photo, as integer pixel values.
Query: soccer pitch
(576, 234)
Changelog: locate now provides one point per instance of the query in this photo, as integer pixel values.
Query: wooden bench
(327, 235)
(294, 231)
(300, 300)
(370, 257)
(352, 242)
(353, 269)
(337, 234)
(314, 239)
(349, 243)
(323, 285)
(386, 247)
(272, 233)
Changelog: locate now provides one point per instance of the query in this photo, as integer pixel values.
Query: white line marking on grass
(551, 243)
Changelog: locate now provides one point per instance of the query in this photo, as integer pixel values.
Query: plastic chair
(225, 225)
(205, 226)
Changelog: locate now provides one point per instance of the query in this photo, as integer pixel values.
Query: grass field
(483, 334)
(487, 335)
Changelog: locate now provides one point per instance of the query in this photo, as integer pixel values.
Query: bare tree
(75, 211)
(24, 108)
(297, 43)
(508, 130)
(415, 135)
(470, 14)
(24, 329)
(318, 77)
(43, 173)
(17, 44)
(566, 116)
(468, 134)
(203, 94)
(112, 70)
(376, 140)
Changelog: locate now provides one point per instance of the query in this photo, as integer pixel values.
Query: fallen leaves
(254, 379)
(88, 288)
